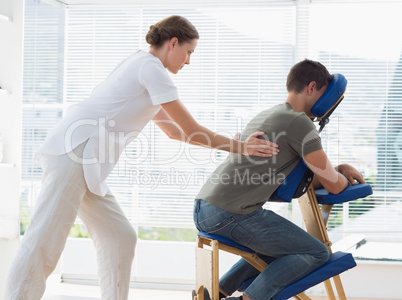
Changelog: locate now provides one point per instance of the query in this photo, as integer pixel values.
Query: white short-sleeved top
(112, 116)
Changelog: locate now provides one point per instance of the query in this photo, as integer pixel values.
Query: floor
(65, 291)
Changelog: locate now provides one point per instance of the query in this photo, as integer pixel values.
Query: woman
(82, 150)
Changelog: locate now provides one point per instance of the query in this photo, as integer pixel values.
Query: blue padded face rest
(331, 96)
(288, 188)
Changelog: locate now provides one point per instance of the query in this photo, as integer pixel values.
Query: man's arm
(334, 180)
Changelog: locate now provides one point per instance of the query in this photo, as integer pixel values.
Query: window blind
(239, 68)
(42, 92)
(366, 47)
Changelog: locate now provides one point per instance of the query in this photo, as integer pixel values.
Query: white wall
(171, 265)
(11, 64)
(156, 262)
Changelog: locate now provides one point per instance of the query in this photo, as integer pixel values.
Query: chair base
(208, 276)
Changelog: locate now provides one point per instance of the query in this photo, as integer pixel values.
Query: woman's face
(179, 55)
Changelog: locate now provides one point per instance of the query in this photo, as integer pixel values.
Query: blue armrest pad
(352, 192)
(338, 262)
(224, 240)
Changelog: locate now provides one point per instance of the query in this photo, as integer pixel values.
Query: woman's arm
(177, 122)
(172, 129)
(168, 126)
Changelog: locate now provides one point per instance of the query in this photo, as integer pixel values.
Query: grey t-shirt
(242, 184)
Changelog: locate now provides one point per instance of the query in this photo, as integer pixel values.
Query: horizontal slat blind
(365, 46)
(43, 77)
(42, 92)
(237, 66)
(97, 42)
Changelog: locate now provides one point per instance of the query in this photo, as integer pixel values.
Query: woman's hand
(254, 146)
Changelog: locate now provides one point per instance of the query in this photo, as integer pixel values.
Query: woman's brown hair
(173, 26)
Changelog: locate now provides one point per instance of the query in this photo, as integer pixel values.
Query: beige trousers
(64, 194)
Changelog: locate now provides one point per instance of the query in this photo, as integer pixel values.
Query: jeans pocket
(211, 218)
(214, 222)
(241, 235)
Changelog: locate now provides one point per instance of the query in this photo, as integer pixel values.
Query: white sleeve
(158, 83)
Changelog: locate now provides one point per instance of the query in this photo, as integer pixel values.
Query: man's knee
(323, 255)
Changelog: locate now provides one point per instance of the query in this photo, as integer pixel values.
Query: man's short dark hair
(306, 71)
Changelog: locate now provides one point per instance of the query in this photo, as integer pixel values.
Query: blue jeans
(291, 252)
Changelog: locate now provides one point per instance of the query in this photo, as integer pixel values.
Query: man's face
(315, 96)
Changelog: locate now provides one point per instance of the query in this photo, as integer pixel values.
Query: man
(230, 202)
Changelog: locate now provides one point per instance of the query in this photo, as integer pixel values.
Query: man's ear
(311, 87)
(173, 42)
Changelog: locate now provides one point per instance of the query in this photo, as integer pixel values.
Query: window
(42, 92)
(157, 179)
(366, 47)
(240, 66)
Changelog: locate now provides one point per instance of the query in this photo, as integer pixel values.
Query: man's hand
(351, 174)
